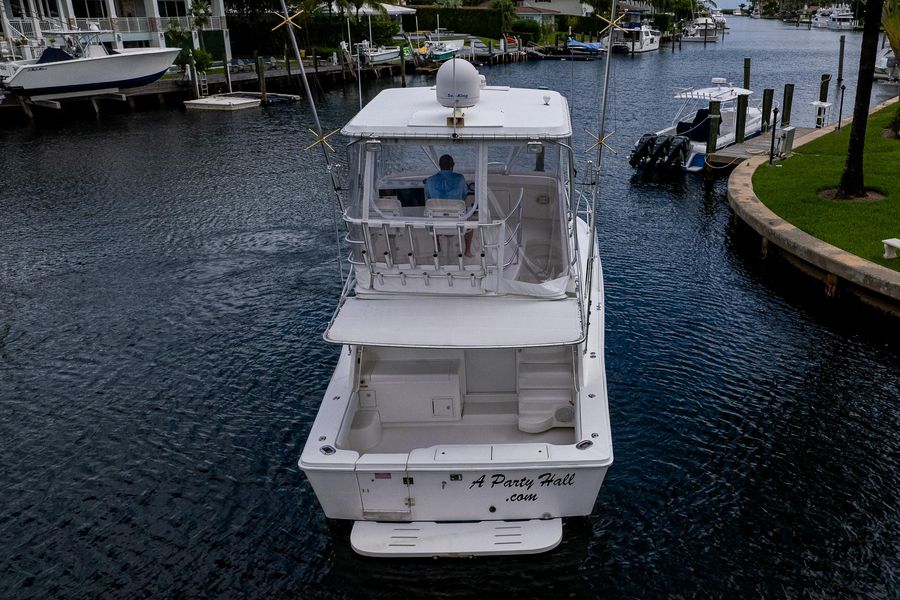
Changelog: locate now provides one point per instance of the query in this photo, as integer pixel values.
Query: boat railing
(33, 28)
(494, 238)
(21, 28)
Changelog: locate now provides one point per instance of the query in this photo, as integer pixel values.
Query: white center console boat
(468, 410)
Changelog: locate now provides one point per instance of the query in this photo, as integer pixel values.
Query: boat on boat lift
(683, 144)
(81, 65)
(373, 55)
(577, 47)
(467, 413)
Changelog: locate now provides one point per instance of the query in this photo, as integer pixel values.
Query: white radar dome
(458, 84)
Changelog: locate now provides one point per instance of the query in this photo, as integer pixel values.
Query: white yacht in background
(634, 38)
(633, 35)
(683, 144)
(701, 29)
(841, 18)
(81, 65)
(467, 413)
(719, 18)
(822, 18)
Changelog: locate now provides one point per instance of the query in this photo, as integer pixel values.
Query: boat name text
(542, 480)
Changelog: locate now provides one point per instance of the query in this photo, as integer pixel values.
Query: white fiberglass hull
(375, 57)
(477, 467)
(115, 71)
(701, 38)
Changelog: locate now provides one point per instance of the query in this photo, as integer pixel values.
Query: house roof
(534, 10)
(392, 10)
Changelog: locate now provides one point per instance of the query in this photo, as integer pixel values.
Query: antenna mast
(595, 196)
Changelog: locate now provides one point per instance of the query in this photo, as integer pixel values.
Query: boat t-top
(684, 143)
(467, 413)
(82, 65)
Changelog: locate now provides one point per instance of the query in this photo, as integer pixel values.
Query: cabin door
(384, 486)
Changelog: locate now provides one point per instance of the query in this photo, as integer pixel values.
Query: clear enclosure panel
(354, 202)
(402, 169)
(525, 192)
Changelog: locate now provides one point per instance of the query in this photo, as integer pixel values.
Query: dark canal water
(164, 282)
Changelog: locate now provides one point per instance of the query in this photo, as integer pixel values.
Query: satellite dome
(458, 84)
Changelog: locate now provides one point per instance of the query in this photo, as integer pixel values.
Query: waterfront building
(560, 7)
(28, 26)
(545, 16)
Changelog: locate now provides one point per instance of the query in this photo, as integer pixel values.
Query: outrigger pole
(322, 139)
(601, 139)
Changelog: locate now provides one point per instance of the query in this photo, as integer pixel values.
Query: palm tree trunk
(852, 182)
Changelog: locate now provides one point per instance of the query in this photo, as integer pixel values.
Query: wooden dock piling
(227, 72)
(740, 125)
(715, 114)
(786, 104)
(194, 79)
(840, 77)
(823, 87)
(768, 99)
(261, 78)
(747, 73)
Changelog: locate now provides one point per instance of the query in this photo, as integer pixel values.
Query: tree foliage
(890, 20)
(507, 11)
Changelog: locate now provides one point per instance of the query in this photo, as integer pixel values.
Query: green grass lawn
(791, 191)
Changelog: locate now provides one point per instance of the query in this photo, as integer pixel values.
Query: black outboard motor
(642, 149)
(660, 149)
(679, 150)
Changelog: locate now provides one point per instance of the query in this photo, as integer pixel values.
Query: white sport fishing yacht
(841, 18)
(633, 35)
(683, 144)
(701, 29)
(81, 65)
(822, 18)
(467, 413)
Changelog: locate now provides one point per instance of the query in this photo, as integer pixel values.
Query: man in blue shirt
(447, 185)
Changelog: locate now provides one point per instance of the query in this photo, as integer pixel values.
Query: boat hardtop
(501, 113)
(721, 92)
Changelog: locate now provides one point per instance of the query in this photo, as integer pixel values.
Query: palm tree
(199, 14)
(852, 182)
(507, 11)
